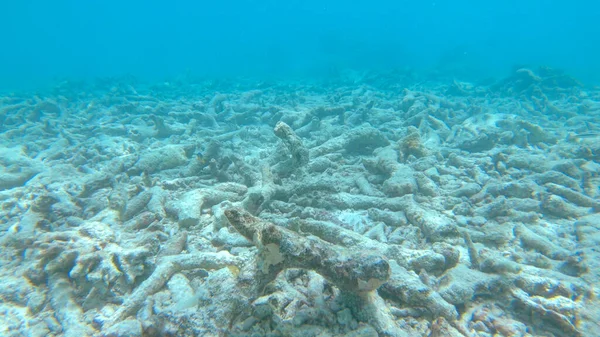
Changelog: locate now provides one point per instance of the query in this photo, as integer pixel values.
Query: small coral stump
(292, 142)
(281, 248)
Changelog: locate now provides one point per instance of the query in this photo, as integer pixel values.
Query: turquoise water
(299, 168)
(157, 40)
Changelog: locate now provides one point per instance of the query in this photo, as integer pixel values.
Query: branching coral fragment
(282, 249)
(357, 274)
(169, 266)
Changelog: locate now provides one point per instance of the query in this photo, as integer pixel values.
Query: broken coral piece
(282, 249)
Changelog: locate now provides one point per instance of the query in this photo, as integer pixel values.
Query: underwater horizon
(269, 168)
(47, 42)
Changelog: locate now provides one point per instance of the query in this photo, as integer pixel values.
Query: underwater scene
(299, 168)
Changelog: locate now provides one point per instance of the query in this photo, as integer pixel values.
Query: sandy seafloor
(375, 205)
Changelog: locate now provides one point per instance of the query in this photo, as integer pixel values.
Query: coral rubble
(349, 209)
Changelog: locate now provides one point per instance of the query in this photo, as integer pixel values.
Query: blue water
(47, 40)
(101, 185)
